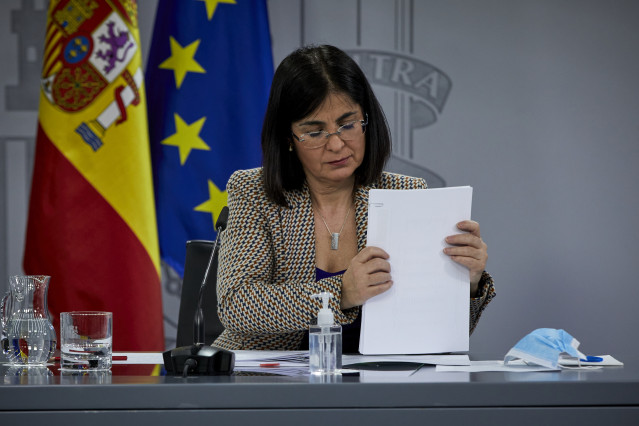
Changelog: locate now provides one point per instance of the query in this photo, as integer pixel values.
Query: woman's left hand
(469, 249)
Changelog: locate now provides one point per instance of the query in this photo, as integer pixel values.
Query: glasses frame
(327, 135)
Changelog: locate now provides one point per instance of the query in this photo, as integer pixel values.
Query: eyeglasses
(346, 132)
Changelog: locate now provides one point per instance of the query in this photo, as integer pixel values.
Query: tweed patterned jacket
(266, 270)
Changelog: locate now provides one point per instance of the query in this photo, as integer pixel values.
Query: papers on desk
(426, 309)
(519, 366)
(606, 361)
(285, 363)
(293, 363)
(455, 359)
(284, 358)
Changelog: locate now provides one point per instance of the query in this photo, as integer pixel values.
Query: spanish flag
(91, 222)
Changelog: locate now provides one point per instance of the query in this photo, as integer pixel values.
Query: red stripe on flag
(93, 257)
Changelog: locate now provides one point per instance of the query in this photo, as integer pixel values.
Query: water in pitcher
(30, 341)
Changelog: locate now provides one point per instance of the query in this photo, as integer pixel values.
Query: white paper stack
(426, 309)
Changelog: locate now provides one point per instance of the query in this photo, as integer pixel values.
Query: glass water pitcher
(28, 336)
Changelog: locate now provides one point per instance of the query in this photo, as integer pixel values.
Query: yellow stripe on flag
(121, 162)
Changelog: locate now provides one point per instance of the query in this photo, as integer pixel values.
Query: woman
(297, 225)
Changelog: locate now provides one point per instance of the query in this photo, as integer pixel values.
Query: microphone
(200, 358)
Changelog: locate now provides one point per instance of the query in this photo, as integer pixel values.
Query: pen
(591, 358)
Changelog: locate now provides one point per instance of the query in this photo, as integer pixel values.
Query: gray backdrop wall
(532, 102)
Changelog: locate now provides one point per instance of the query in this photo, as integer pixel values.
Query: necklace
(334, 235)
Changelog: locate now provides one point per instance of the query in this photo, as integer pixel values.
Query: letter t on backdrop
(209, 73)
(91, 219)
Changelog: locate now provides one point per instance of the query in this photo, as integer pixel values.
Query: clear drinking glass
(86, 340)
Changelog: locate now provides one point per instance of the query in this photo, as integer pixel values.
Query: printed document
(426, 310)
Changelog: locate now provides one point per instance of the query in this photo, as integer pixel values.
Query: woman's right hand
(367, 275)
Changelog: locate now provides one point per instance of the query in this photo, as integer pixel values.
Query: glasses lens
(314, 139)
(347, 132)
(350, 131)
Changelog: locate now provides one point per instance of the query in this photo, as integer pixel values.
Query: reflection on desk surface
(20, 374)
(154, 373)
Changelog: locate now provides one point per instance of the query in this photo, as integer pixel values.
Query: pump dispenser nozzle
(325, 315)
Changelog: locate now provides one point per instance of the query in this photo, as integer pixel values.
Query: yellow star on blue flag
(211, 5)
(181, 60)
(217, 200)
(186, 137)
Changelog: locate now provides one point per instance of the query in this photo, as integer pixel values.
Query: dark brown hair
(301, 83)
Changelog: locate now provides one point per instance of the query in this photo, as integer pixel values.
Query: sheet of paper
(519, 366)
(281, 358)
(138, 358)
(455, 359)
(606, 361)
(426, 309)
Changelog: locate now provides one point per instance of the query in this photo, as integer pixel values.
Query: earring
(290, 147)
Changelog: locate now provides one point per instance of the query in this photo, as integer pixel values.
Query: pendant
(334, 241)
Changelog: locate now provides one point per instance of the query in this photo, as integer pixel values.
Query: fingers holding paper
(470, 250)
(367, 275)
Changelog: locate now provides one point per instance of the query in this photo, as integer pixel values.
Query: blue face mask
(544, 346)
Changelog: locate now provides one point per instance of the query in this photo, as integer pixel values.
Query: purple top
(350, 332)
(320, 274)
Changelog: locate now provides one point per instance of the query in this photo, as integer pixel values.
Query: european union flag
(208, 78)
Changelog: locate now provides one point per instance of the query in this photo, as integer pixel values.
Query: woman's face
(335, 162)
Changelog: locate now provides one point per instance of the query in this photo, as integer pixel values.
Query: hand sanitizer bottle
(325, 341)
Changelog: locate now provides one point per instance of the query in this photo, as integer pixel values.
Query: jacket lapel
(299, 233)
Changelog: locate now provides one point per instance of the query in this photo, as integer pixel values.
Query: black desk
(609, 397)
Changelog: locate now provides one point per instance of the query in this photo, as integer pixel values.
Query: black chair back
(198, 253)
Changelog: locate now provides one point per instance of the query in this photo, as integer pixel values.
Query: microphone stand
(198, 321)
(199, 358)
